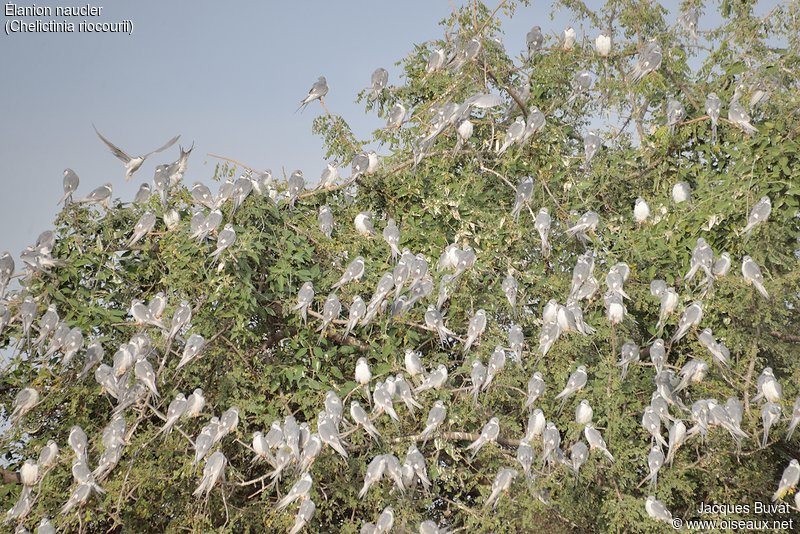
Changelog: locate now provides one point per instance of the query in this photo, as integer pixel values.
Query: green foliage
(263, 359)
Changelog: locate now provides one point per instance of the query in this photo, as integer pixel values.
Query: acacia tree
(263, 358)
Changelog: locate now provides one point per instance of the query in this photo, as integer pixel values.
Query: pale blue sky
(227, 76)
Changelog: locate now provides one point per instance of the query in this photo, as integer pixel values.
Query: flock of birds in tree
(133, 373)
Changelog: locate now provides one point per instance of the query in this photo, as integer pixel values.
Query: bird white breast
(550, 313)
(361, 225)
(584, 414)
(641, 211)
(771, 392)
(451, 258)
(363, 374)
(679, 194)
(699, 374)
(372, 166)
(465, 130)
(569, 38)
(603, 45)
(538, 426)
(563, 319)
(616, 313)
(670, 301)
(29, 473)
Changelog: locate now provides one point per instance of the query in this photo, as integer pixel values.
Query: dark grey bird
(78, 497)
(94, 355)
(435, 61)
(581, 84)
(358, 309)
(596, 441)
(101, 196)
(202, 195)
(304, 515)
(294, 186)
(542, 226)
(752, 275)
(675, 114)
(24, 402)
(789, 480)
(70, 183)
(657, 511)
(132, 164)
(586, 223)
(689, 19)
(475, 329)
(702, 258)
(436, 416)
(7, 266)
(591, 144)
(713, 109)
(649, 60)
(379, 79)
(690, 319)
(329, 176)
(330, 312)
(325, 220)
(143, 226)
(654, 462)
(739, 116)
(317, 92)
(524, 191)
(575, 383)
(396, 116)
(534, 40)
(175, 410)
(391, 234)
(502, 482)
(629, 354)
(352, 273)
(514, 134)
(304, 299)
(225, 239)
(214, 470)
(760, 213)
(489, 434)
(770, 414)
(192, 349)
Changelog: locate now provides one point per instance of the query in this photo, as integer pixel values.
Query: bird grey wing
(164, 147)
(319, 89)
(117, 151)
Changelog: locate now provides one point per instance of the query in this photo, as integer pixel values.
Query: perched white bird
(602, 44)
(641, 211)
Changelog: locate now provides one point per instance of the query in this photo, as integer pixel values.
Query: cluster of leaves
(264, 360)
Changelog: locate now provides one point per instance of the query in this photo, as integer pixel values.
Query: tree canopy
(576, 214)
